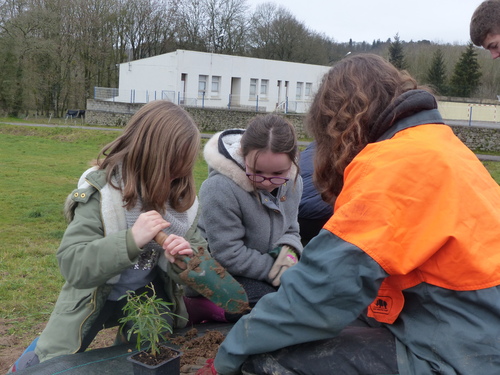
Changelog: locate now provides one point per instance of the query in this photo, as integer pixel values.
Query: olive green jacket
(96, 248)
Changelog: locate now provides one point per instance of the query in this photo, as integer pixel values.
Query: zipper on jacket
(93, 303)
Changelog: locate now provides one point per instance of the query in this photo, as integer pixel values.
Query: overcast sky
(440, 21)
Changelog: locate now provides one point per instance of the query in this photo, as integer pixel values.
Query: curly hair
(352, 95)
(156, 153)
(485, 20)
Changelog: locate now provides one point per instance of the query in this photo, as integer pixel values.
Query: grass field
(494, 168)
(39, 167)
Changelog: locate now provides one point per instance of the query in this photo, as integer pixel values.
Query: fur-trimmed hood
(223, 155)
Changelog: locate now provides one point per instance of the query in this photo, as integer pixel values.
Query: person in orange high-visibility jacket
(405, 276)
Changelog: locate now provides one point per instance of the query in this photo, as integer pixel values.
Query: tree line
(464, 81)
(54, 52)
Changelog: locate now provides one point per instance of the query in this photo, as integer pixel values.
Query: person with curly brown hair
(404, 278)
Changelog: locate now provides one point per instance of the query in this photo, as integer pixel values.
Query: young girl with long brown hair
(142, 184)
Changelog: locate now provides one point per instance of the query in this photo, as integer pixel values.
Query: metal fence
(131, 96)
(469, 112)
(450, 110)
(256, 103)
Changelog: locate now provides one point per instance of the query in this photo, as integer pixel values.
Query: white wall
(145, 79)
(469, 111)
(150, 77)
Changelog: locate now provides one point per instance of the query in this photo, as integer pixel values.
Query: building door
(235, 95)
(279, 93)
(182, 94)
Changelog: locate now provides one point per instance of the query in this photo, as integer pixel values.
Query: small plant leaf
(148, 317)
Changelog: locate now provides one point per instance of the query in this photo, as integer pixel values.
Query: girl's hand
(147, 225)
(176, 248)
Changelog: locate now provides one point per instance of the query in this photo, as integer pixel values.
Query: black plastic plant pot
(168, 367)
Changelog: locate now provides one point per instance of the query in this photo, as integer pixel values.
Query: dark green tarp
(112, 360)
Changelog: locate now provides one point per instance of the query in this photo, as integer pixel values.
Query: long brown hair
(157, 152)
(352, 95)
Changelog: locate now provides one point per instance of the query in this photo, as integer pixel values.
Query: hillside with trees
(54, 52)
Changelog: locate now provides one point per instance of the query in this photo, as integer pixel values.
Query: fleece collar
(406, 105)
(223, 155)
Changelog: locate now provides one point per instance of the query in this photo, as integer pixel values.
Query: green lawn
(494, 169)
(39, 167)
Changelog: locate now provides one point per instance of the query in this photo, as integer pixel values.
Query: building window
(264, 84)
(215, 85)
(202, 85)
(253, 87)
(308, 92)
(298, 94)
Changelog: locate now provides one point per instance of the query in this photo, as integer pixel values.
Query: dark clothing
(309, 228)
(313, 211)
(356, 350)
(255, 289)
(112, 311)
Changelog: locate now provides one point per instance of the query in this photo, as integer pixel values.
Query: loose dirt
(196, 346)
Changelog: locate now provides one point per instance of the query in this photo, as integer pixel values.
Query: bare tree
(261, 35)
(162, 30)
(190, 24)
(147, 26)
(276, 34)
(226, 25)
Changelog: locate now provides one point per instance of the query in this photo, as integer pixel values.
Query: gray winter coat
(242, 226)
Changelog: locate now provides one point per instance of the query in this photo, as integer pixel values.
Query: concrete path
(488, 157)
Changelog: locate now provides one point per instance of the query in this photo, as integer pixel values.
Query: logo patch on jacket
(382, 305)
(387, 306)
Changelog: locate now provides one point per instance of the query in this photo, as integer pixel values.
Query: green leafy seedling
(149, 318)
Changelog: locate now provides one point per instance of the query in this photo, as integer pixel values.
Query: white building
(213, 80)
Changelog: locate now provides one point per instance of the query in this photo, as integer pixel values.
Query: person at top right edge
(485, 27)
(404, 278)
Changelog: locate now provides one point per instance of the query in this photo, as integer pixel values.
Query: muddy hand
(182, 261)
